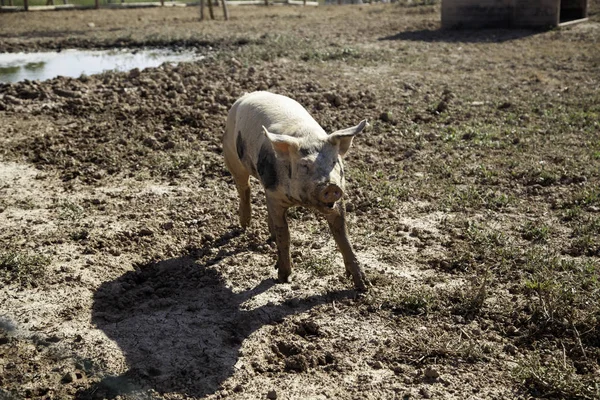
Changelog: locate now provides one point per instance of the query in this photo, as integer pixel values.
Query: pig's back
(279, 114)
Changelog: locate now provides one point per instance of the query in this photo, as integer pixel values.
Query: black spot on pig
(266, 167)
(239, 146)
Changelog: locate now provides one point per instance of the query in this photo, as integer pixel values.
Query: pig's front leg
(279, 229)
(337, 224)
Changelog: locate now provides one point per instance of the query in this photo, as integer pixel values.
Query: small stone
(238, 389)
(235, 62)
(272, 395)
(91, 25)
(425, 393)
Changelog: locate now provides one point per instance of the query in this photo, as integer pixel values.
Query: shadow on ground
(178, 325)
(463, 36)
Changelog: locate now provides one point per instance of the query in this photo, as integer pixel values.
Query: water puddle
(15, 67)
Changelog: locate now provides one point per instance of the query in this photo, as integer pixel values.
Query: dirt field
(473, 199)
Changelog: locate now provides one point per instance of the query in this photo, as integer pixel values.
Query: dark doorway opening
(571, 10)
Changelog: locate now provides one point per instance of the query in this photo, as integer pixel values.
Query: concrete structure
(511, 13)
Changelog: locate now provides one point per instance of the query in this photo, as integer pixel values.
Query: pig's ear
(344, 137)
(283, 144)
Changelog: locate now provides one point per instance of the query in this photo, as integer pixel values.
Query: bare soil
(474, 205)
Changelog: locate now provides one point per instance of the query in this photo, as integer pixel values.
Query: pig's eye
(305, 168)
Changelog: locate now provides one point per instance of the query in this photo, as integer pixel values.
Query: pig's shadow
(179, 327)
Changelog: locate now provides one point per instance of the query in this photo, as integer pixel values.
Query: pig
(274, 139)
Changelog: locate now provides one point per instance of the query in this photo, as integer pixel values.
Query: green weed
(23, 269)
(470, 300)
(561, 292)
(534, 232)
(319, 266)
(69, 211)
(473, 197)
(555, 377)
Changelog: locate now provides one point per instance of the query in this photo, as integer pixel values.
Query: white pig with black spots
(275, 139)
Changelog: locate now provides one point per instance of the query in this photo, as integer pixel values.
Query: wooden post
(210, 9)
(26, 5)
(225, 10)
(97, 4)
(201, 10)
(162, 3)
(266, 2)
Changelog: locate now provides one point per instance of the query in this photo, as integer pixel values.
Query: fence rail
(43, 5)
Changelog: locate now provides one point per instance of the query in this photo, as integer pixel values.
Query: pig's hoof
(362, 284)
(284, 280)
(361, 287)
(284, 277)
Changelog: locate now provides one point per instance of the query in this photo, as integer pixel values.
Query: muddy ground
(473, 199)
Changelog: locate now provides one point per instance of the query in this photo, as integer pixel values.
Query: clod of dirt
(510, 349)
(441, 107)
(307, 329)
(297, 363)
(146, 232)
(431, 373)
(167, 226)
(287, 349)
(272, 395)
(425, 393)
(69, 377)
(386, 116)
(334, 99)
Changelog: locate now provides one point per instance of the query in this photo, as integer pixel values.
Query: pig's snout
(330, 194)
